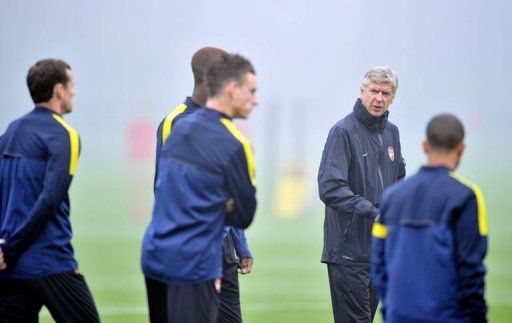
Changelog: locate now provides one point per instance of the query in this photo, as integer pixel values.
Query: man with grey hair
(361, 157)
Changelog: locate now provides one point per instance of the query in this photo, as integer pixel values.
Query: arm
(240, 242)
(378, 264)
(59, 172)
(245, 260)
(401, 166)
(471, 247)
(333, 178)
(241, 189)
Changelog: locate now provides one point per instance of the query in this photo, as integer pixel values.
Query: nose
(255, 101)
(379, 96)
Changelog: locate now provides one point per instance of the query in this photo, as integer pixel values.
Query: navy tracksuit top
(38, 158)
(204, 162)
(428, 249)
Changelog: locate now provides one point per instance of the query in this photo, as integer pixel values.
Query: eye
(374, 91)
(387, 95)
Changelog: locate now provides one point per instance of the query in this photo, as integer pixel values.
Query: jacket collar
(191, 104)
(370, 122)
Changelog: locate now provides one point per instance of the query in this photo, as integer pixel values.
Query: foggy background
(131, 62)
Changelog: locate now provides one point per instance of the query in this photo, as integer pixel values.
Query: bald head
(202, 59)
(444, 132)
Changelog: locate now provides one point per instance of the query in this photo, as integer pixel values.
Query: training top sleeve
(240, 242)
(471, 248)
(63, 151)
(240, 187)
(378, 264)
(333, 178)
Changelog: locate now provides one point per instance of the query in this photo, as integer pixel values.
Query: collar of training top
(39, 108)
(191, 103)
(214, 113)
(371, 122)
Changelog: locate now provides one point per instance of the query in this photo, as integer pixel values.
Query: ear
(460, 148)
(361, 89)
(426, 147)
(58, 90)
(231, 88)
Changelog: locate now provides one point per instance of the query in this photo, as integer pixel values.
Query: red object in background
(141, 141)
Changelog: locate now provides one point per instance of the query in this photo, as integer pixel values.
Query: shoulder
(59, 124)
(345, 126)
(464, 185)
(234, 136)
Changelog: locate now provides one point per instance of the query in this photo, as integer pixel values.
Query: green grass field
(288, 282)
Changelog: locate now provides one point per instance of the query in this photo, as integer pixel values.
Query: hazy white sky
(131, 60)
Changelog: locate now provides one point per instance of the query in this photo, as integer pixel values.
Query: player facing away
(236, 251)
(431, 238)
(38, 158)
(204, 163)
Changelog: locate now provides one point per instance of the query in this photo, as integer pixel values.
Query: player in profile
(205, 162)
(38, 158)
(431, 238)
(237, 255)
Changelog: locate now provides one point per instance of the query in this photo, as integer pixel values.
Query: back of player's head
(444, 132)
(381, 75)
(228, 68)
(43, 76)
(202, 59)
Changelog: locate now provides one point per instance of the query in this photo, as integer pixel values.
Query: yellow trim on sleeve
(166, 131)
(482, 212)
(251, 166)
(379, 230)
(74, 142)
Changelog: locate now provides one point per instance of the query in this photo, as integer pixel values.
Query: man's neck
(199, 95)
(50, 106)
(219, 104)
(449, 160)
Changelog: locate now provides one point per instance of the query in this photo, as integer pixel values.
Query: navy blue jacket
(428, 249)
(239, 242)
(362, 157)
(204, 162)
(39, 154)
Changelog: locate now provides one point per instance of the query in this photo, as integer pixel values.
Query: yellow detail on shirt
(251, 166)
(482, 213)
(166, 131)
(74, 142)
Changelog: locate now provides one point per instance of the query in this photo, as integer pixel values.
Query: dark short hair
(444, 132)
(201, 59)
(43, 76)
(230, 67)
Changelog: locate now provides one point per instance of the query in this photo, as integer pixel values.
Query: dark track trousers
(353, 296)
(229, 310)
(65, 295)
(169, 303)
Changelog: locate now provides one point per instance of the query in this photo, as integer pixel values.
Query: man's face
(376, 98)
(67, 94)
(244, 97)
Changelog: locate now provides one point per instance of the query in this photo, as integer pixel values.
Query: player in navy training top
(38, 158)
(236, 251)
(205, 162)
(431, 238)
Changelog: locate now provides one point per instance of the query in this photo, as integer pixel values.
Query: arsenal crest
(391, 153)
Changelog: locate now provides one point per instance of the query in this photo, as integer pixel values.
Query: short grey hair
(381, 75)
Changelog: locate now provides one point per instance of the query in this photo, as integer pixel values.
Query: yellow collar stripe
(482, 213)
(74, 142)
(251, 166)
(379, 230)
(166, 131)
